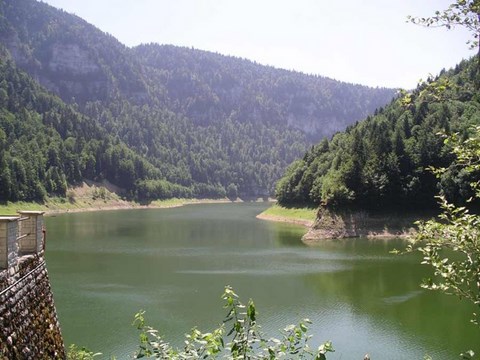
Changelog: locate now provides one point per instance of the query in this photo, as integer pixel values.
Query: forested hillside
(211, 124)
(209, 88)
(46, 145)
(382, 162)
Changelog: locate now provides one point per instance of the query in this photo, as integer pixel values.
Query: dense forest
(209, 88)
(46, 145)
(383, 162)
(201, 124)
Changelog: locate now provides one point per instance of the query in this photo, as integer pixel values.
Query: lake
(174, 263)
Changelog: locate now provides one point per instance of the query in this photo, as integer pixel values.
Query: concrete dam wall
(29, 327)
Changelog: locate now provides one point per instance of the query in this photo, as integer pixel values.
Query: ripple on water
(402, 298)
(275, 269)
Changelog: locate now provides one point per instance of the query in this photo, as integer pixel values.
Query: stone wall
(29, 328)
(8, 242)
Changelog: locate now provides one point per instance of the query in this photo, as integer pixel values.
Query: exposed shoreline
(90, 196)
(285, 219)
(133, 206)
(331, 226)
(314, 235)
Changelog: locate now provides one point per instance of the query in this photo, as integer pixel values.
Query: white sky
(359, 41)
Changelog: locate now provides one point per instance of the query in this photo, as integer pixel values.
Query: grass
(168, 202)
(172, 202)
(11, 208)
(308, 214)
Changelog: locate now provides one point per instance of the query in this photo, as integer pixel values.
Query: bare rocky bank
(348, 224)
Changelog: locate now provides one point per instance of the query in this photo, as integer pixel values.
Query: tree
(464, 13)
(451, 244)
(232, 191)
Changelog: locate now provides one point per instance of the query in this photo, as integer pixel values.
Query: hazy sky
(360, 41)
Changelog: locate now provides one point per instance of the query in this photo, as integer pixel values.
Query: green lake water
(174, 263)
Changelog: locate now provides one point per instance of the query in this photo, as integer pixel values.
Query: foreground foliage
(75, 353)
(239, 337)
(451, 244)
(463, 13)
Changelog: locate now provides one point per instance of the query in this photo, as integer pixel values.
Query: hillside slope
(46, 145)
(207, 122)
(209, 87)
(382, 162)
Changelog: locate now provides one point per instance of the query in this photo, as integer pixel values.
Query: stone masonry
(29, 328)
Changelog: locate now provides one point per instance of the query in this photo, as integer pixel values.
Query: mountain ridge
(302, 96)
(207, 122)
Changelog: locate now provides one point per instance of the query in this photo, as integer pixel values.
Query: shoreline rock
(330, 225)
(351, 224)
